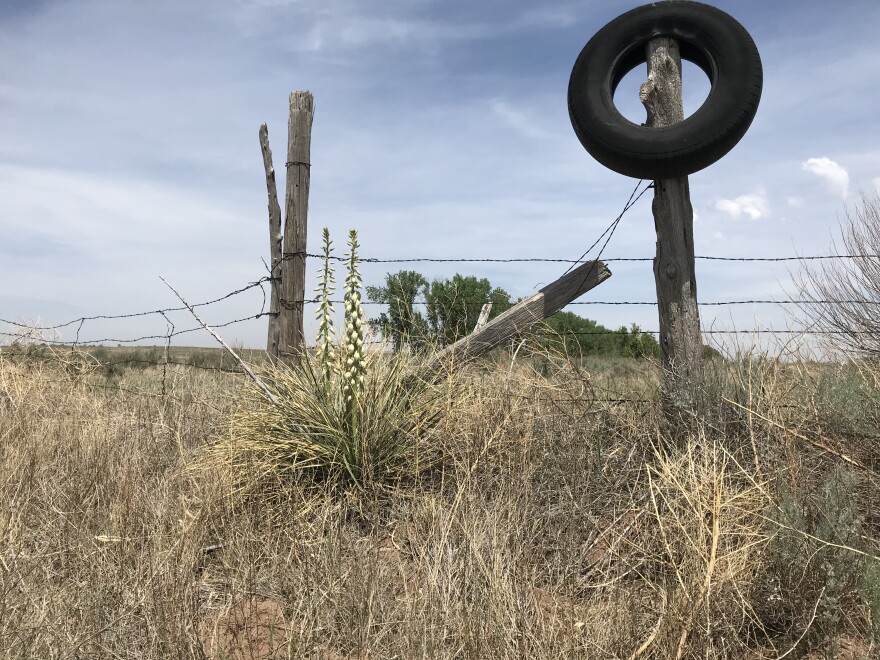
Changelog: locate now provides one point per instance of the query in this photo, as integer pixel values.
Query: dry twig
(243, 364)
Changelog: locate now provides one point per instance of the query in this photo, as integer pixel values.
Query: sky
(129, 150)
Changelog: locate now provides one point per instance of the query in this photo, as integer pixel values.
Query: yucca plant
(343, 414)
(325, 291)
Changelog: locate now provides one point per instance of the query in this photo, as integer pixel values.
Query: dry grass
(555, 526)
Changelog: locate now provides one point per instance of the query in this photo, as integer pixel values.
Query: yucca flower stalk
(354, 366)
(325, 290)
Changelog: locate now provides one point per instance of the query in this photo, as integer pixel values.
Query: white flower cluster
(325, 290)
(355, 361)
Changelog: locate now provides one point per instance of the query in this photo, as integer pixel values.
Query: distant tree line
(425, 314)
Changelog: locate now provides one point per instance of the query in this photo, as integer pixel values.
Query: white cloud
(836, 178)
(366, 31)
(268, 3)
(877, 183)
(718, 236)
(796, 202)
(518, 121)
(754, 206)
(348, 25)
(546, 17)
(101, 214)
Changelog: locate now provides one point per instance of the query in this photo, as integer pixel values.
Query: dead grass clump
(100, 534)
(820, 575)
(706, 512)
(254, 628)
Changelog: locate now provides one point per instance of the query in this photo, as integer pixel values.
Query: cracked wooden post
(680, 340)
(275, 250)
(296, 207)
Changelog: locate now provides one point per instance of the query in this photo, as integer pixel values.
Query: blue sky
(129, 150)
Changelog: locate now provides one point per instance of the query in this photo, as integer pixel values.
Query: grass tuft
(317, 434)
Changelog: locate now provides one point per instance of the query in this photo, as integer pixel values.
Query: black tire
(709, 38)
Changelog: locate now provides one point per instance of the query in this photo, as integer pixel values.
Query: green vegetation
(402, 324)
(453, 306)
(587, 337)
(326, 430)
(118, 360)
(819, 557)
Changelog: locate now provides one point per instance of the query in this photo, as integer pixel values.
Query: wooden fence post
(680, 340)
(275, 238)
(296, 207)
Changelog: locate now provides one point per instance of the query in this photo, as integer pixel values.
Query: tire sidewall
(707, 36)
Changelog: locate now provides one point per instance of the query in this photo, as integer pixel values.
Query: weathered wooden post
(519, 318)
(296, 206)
(275, 251)
(680, 339)
(668, 147)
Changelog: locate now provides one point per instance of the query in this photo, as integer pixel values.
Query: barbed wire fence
(288, 255)
(20, 334)
(22, 330)
(78, 323)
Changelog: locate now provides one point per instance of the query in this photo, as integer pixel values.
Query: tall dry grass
(558, 525)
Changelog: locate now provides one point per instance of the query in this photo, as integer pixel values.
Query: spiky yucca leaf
(312, 432)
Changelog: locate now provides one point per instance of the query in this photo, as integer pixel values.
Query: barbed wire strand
(610, 229)
(575, 333)
(175, 333)
(608, 403)
(111, 340)
(614, 399)
(630, 302)
(96, 363)
(515, 260)
(102, 317)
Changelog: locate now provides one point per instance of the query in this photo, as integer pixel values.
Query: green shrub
(818, 563)
(869, 590)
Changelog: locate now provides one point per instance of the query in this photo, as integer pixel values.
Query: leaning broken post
(275, 250)
(519, 318)
(674, 273)
(296, 207)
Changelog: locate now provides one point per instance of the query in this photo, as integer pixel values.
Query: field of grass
(560, 518)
